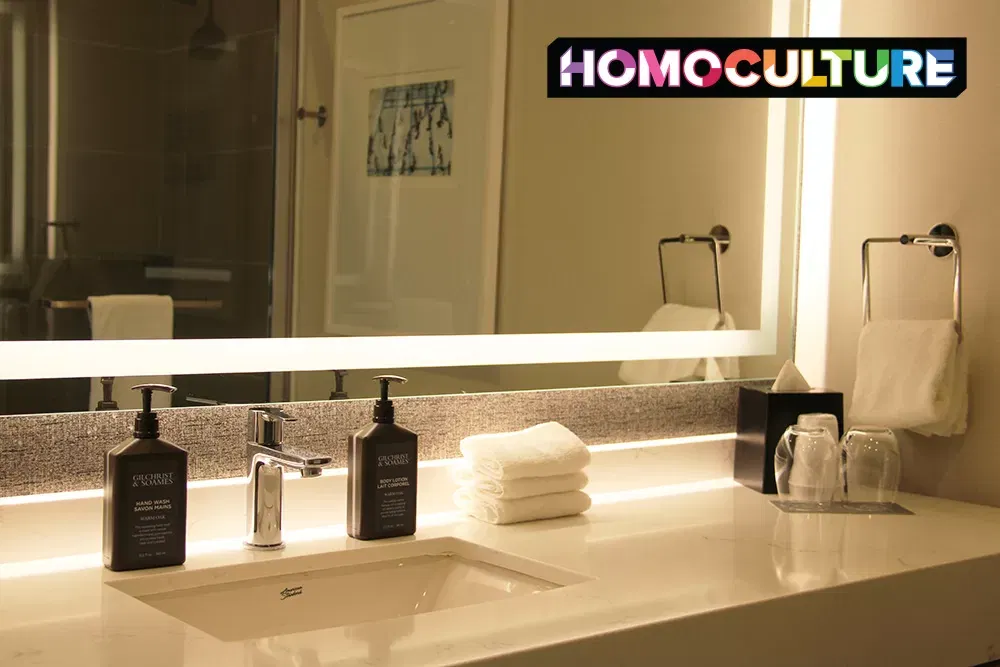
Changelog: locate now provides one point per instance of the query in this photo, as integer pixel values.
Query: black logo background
(723, 46)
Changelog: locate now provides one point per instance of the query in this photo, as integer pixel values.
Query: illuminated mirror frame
(125, 358)
(819, 130)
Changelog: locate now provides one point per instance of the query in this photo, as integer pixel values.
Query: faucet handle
(265, 425)
(272, 413)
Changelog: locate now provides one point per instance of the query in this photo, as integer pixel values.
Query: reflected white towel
(131, 317)
(540, 451)
(512, 489)
(496, 511)
(676, 317)
(911, 374)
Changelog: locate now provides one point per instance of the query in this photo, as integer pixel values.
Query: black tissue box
(761, 419)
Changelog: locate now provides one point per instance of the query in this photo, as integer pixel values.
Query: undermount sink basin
(288, 595)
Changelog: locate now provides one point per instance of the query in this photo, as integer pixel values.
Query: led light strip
(32, 568)
(819, 133)
(21, 360)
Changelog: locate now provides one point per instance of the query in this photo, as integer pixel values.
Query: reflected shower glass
(806, 465)
(871, 464)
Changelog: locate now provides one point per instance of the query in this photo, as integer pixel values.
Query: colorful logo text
(767, 67)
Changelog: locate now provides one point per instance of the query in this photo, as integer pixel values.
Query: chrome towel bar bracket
(718, 241)
(942, 242)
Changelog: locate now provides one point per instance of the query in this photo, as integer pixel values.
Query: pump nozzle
(146, 423)
(384, 412)
(107, 388)
(338, 393)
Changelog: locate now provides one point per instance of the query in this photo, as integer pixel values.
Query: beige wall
(903, 166)
(589, 187)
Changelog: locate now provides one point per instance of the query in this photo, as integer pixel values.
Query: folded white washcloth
(512, 489)
(677, 317)
(911, 374)
(540, 451)
(497, 511)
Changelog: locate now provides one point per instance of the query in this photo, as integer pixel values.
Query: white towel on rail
(131, 317)
(911, 374)
(677, 317)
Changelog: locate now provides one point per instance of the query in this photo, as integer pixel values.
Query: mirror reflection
(156, 181)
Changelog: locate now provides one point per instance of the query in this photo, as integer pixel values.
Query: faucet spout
(289, 457)
(267, 461)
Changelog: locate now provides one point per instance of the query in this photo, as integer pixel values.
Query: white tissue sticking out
(790, 379)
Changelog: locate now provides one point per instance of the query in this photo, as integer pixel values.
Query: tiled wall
(218, 128)
(65, 452)
(161, 159)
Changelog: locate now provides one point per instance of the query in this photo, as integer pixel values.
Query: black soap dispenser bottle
(145, 495)
(382, 474)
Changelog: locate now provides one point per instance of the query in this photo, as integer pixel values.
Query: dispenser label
(154, 522)
(395, 486)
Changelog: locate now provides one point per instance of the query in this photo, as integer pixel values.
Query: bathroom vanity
(665, 568)
(515, 290)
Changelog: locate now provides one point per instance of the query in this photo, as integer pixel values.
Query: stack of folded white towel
(527, 475)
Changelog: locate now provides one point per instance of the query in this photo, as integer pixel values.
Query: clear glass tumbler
(832, 424)
(871, 464)
(807, 465)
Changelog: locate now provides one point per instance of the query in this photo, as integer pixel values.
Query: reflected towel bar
(205, 304)
(942, 241)
(718, 241)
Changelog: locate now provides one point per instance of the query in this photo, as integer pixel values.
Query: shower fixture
(209, 40)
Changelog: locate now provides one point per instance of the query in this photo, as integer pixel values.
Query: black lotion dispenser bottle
(145, 495)
(382, 474)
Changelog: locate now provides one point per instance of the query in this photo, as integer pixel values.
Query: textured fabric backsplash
(64, 452)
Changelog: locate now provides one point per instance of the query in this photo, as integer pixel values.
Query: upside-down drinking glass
(832, 424)
(807, 464)
(871, 464)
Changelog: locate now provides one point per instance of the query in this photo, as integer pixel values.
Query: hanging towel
(540, 451)
(513, 489)
(676, 317)
(131, 317)
(911, 374)
(496, 511)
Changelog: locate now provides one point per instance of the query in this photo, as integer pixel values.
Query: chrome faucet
(267, 460)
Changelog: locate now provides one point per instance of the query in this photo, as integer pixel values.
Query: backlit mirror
(316, 168)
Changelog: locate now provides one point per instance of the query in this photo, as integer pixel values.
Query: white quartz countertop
(695, 571)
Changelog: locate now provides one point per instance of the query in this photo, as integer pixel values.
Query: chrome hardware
(718, 240)
(267, 460)
(321, 115)
(942, 242)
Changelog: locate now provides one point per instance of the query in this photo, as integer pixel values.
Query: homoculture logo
(763, 67)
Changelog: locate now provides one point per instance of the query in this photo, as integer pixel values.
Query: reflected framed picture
(417, 164)
(411, 129)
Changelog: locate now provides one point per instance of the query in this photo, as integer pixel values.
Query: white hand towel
(540, 451)
(911, 374)
(956, 420)
(513, 489)
(496, 511)
(131, 317)
(676, 317)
